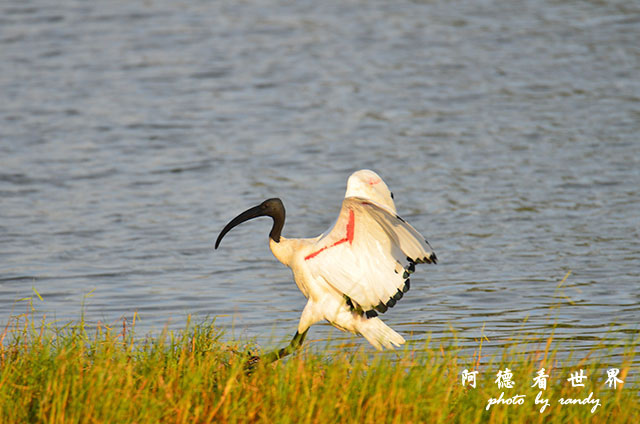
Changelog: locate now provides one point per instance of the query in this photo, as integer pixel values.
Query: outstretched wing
(368, 255)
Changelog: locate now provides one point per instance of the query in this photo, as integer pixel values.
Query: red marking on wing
(351, 225)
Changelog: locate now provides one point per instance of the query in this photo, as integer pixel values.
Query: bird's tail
(379, 334)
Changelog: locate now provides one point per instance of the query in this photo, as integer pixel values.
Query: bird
(356, 270)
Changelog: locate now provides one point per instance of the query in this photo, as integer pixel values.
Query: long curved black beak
(271, 207)
(254, 212)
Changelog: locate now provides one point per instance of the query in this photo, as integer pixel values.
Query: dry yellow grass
(73, 375)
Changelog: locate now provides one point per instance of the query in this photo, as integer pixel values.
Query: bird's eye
(392, 194)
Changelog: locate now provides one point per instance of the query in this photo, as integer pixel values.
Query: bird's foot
(251, 363)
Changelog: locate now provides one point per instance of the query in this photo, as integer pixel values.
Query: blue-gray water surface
(131, 132)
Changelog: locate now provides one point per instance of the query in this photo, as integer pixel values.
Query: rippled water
(131, 132)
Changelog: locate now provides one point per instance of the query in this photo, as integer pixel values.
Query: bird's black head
(270, 207)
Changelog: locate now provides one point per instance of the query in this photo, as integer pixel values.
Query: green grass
(69, 374)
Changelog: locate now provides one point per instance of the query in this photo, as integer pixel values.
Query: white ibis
(358, 269)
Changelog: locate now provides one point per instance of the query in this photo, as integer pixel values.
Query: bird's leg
(294, 345)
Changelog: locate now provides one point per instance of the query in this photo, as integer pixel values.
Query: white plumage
(358, 269)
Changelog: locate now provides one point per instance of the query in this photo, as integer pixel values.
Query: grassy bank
(69, 374)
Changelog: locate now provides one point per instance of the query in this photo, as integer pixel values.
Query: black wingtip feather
(407, 285)
(398, 295)
(381, 307)
(349, 302)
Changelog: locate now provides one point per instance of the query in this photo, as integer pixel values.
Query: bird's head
(368, 185)
(270, 207)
